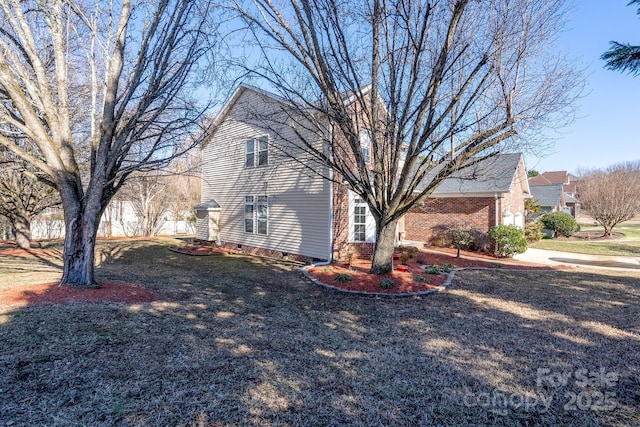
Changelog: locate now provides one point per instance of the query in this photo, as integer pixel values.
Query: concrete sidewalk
(542, 256)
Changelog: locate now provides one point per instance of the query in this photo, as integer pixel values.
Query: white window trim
(370, 224)
(256, 151)
(255, 202)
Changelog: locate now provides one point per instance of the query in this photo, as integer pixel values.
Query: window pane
(248, 199)
(248, 218)
(365, 144)
(359, 223)
(249, 153)
(262, 219)
(263, 151)
(262, 198)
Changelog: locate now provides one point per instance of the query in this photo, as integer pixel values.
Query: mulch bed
(60, 294)
(410, 282)
(592, 235)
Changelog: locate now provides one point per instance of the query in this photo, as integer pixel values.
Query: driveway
(543, 256)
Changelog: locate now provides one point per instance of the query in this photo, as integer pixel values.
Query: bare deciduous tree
(448, 83)
(22, 196)
(137, 61)
(611, 195)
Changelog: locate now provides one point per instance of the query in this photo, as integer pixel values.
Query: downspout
(495, 195)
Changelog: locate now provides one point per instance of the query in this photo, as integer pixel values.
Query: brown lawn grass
(247, 341)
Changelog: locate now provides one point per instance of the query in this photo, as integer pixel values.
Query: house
(477, 198)
(261, 201)
(550, 198)
(570, 203)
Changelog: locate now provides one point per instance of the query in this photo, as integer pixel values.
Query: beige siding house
(263, 195)
(262, 200)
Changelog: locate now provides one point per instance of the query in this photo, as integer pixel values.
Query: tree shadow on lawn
(247, 341)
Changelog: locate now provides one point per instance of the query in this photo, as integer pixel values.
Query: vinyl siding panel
(298, 199)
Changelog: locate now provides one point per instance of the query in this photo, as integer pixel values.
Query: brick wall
(439, 215)
(341, 245)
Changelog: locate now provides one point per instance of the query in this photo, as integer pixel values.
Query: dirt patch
(415, 279)
(200, 250)
(57, 294)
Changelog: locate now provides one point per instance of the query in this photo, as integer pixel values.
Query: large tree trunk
(81, 223)
(22, 232)
(385, 240)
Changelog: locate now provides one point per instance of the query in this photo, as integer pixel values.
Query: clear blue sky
(607, 129)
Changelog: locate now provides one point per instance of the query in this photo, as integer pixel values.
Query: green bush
(559, 223)
(342, 278)
(507, 240)
(533, 230)
(461, 239)
(386, 284)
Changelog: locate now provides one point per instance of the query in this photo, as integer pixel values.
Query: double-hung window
(256, 152)
(256, 214)
(359, 220)
(365, 145)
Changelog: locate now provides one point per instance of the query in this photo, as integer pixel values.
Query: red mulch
(405, 282)
(200, 250)
(362, 281)
(57, 294)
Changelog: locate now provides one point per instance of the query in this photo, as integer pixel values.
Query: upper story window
(256, 152)
(365, 145)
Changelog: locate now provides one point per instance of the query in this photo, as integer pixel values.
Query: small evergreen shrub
(533, 230)
(342, 278)
(560, 223)
(433, 269)
(386, 284)
(507, 240)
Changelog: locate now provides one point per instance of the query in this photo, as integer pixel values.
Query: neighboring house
(478, 198)
(571, 203)
(550, 198)
(258, 200)
(118, 220)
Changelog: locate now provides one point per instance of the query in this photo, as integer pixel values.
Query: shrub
(404, 257)
(433, 269)
(560, 223)
(446, 268)
(507, 240)
(342, 277)
(386, 284)
(533, 230)
(421, 279)
(461, 239)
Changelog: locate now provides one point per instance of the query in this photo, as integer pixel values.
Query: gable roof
(489, 176)
(548, 195)
(548, 178)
